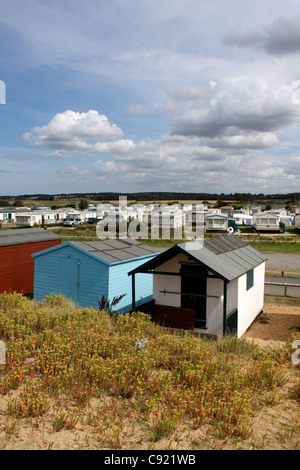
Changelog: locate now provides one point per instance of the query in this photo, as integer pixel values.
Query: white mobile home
(297, 222)
(243, 219)
(211, 289)
(248, 220)
(265, 222)
(216, 223)
(195, 217)
(39, 217)
(167, 218)
(6, 216)
(287, 220)
(28, 218)
(238, 218)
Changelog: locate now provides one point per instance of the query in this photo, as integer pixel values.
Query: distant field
(276, 244)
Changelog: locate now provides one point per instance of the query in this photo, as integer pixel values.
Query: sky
(146, 95)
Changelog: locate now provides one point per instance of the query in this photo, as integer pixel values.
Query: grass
(270, 245)
(281, 300)
(273, 247)
(129, 382)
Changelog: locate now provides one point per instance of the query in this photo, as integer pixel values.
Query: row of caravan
(266, 221)
(171, 217)
(261, 222)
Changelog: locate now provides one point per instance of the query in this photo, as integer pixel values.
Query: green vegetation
(273, 247)
(282, 244)
(281, 300)
(128, 383)
(83, 204)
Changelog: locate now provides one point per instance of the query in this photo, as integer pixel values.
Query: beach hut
(86, 272)
(16, 248)
(211, 287)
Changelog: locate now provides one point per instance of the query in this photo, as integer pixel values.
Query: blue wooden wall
(120, 283)
(51, 276)
(59, 271)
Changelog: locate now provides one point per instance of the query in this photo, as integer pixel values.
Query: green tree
(83, 204)
(18, 203)
(4, 203)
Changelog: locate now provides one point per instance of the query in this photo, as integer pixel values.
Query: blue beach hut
(84, 272)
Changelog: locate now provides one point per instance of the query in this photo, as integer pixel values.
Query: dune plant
(61, 358)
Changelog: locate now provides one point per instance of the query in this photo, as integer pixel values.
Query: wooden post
(225, 308)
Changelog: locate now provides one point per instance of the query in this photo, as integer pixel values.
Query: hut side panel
(120, 283)
(164, 285)
(84, 279)
(17, 265)
(250, 301)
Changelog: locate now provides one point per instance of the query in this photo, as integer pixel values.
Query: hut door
(193, 292)
(69, 278)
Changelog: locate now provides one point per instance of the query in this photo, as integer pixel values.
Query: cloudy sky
(147, 95)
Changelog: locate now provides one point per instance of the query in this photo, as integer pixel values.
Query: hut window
(249, 279)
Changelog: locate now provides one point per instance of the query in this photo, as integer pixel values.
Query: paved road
(288, 262)
(279, 290)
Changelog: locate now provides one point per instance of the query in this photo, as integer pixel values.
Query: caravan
(265, 222)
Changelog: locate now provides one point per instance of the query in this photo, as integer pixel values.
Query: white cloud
(73, 130)
(244, 140)
(226, 110)
(178, 162)
(294, 166)
(240, 109)
(117, 146)
(228, 150)
(171, 164)
(280, 37)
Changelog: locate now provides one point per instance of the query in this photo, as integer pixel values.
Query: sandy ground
(276, 323)
(276, 427)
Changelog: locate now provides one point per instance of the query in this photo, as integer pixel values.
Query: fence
(282, 284)
(282, 273)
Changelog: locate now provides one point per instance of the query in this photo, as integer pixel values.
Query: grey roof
(117, 250)
(227, 257)
(20, 236)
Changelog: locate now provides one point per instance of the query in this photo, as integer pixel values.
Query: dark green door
(193, 292)
(231, 322)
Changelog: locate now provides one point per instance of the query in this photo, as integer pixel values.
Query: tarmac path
(287, 262)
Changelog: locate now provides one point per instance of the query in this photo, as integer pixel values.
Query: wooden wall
(174, 317)
(50, 278)
(17, 265)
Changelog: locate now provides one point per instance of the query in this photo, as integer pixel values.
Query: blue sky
(147, 95)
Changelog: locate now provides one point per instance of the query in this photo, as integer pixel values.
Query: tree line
(291, 198)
